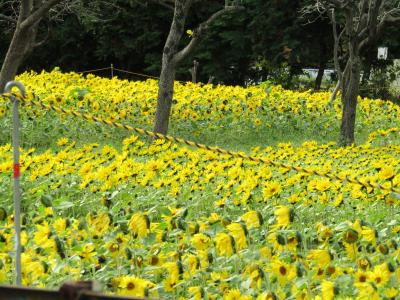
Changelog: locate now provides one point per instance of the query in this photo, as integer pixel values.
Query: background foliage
(268, 40)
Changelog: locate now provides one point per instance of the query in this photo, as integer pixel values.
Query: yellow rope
(89, 117)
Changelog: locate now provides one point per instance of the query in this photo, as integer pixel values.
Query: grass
(42, 132)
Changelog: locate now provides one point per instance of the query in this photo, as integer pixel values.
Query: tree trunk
(164, 98)
(351, 82)
(322, 65)
(24, 39)
(167, 76)
(171, 58)
(320, 75)
(335, 92)
(20, 43)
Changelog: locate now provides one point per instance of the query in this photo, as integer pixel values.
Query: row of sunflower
(161, 220)
(117, 99)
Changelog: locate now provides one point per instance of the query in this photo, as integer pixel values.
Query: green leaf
(164, 211)
(46, 200)
(65, 205)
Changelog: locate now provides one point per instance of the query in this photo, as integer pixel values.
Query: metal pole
(112, 70)
(16, 175)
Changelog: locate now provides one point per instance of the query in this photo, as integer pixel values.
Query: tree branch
(391, 16)
(7, 18)
(25, 8)
(341, 4)
(336, 41)
(336, 2)
(39, 13)
(387, 18)
(373, 18)
(198, 33)
(363, 17)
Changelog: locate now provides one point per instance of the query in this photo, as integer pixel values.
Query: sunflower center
(331, 270)
(363, 278)
(282, 270)
(154, 260)
(130, 286)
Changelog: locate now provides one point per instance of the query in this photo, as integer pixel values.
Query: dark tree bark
(336, 47)
(349, 103)
(168, 68)
(320, 75)
(363, 24)
(20, 45)
(23, 42)
(172, 57)
(322, 66)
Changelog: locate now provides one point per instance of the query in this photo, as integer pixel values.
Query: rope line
(367, 88)
(124, 71)
(138, 74)
(94, 70)
(89, 117)
(119, 70)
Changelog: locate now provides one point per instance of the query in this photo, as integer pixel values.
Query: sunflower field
(157, 219)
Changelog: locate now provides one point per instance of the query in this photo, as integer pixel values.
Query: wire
(134, 73)
(94, 70)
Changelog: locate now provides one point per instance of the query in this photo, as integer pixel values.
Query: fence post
(193, 71)
(16, 175)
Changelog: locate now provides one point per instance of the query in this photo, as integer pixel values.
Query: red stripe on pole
(17, 171)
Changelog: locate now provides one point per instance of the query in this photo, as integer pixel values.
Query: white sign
(382, 52)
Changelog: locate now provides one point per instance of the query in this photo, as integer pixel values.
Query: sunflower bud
(128, 253)
(59, 246)
(281, 239)
(350, 236)
(210, 257)
(45, 266)
(3, 214)
(139, 261)
(383, 249)
(300, 270)
(364, 263)
(391, 267)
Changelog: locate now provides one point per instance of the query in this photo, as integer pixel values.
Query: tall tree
(172, 56)
(25, 17)
(129, 34)
(363, 22)
(30, 13)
